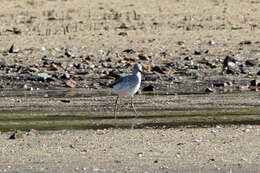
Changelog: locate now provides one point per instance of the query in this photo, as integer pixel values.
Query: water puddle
(78, 116)
(48, 120)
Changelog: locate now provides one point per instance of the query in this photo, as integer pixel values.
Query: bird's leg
(115, 108)
(133, 105)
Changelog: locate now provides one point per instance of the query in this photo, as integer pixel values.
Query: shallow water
(198, 112)
(58, 120)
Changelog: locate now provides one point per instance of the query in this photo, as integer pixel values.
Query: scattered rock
(197, 52)
(231, 71)
(68, 53)
(245, 42)
(44, 76)
(70, 83)
(211, 42)
(149, 88)
(17, 135)
(209, 90)
(158, 69)
(252, 62)
(114, 74)
(122, 33)
(188, 58)
(65, 101)
(229, 62)
(128, 51)
(13, 50)
(255, 82)
(139, 155)
(15, 30)
(123, 26)
(196, 140)
(31, 132)
(245, 71)
(143, 57)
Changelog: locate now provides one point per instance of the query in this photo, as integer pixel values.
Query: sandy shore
(214, 149)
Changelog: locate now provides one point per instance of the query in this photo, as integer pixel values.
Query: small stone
(211, 42)
(149, 88)
(218, 84)
(123, 26)
(180, 43)
(17, 31)
(122, 33)
(245, 71)
(66, 75)
(188, 58)
(245, 42)
(143, 57)
(44, 76)
(13, 50)
(70, 83)
(128, 51)
(158, 69)
(17, 135)
(68, 53)
(211, 65)
(139, 155)
(231, 71)
(100, 132)
(246, 130)
(255, 82)
(65, 101)
(95, 169)
(209, 90)
(248, 126)
(229, 62)
(196, 140)
(31, 132)
(197, 52)
(114, 74)
(54, 66)
(251, 62)
(33, 69)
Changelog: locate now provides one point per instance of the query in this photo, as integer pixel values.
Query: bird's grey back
(127, 81)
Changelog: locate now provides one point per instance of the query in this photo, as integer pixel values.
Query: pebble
(196, 140)
(229, 62)
(251, 62)
(95, 169)
(209, 90)
(255, 82)
(17, 135)
(139, 155)
(211, 42)
(158, 69)
(188, 58)
(69, 53)
(13, 50)
(149, 88)
(44, 76)
(122, 33)
(129, 51)
(70, 83)
(245, 42)
(143, 57)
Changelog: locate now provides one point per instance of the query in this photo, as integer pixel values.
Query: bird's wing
(119, 80)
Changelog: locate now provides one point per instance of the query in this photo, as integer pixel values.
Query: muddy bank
(69, 110)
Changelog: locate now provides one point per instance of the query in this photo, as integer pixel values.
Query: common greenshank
(128, 86)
